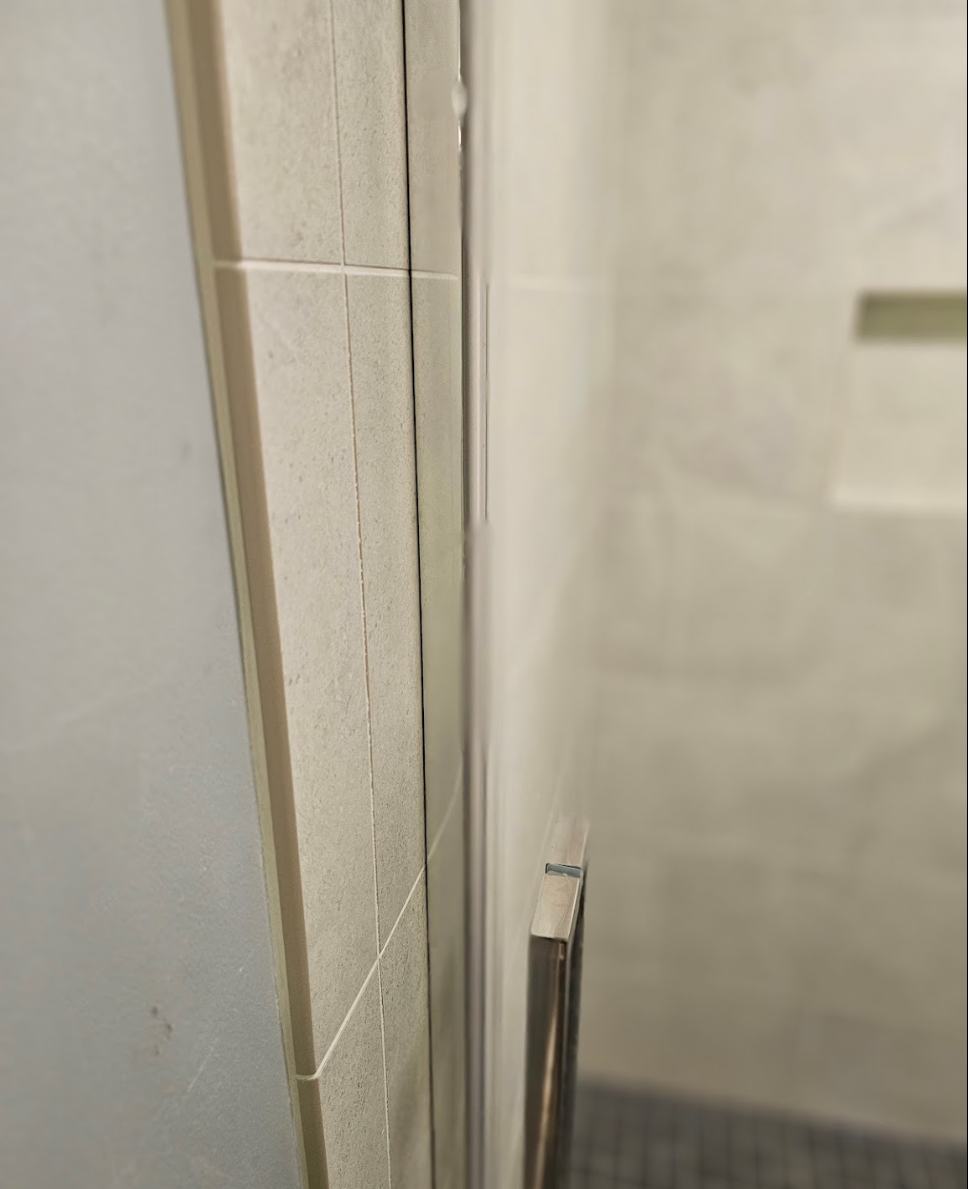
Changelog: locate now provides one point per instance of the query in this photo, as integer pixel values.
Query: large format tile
(898, 161)
(816, 88)
(744, 594)
(379, 310)
(718, 98)
(785, 682)
(372, 130)
(741, 590)
(892, 598)
(895, 951)
(282, 133)
(703, 1040)
(406, 1006)
(699, 918)
(863, 1072)
(776, 769)
(302, 380)
(904, 443)
(352, 1092)
(732, 392)
(530, 747)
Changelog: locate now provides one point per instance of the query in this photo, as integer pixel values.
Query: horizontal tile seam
(314, 1077)
(445, 820)
(330, 269)
(403, 911)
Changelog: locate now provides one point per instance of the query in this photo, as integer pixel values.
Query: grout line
(314, 1077)
(406, 905)
(366, 645)
(305, 266)
(383, 1024)
(369, 729)
(359, 537)
(445, 820)
(549, 604)
(329, 268)
(359, 513)
(356, 476)
(420, 275)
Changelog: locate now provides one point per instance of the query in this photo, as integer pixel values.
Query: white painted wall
(140, 1038)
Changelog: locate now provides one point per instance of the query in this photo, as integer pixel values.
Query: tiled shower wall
(302, 126)
(777, 911)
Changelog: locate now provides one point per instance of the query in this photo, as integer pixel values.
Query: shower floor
(628, 1140)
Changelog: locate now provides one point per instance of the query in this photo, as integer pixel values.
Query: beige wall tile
(914, 818)
(726, 216)
(729, 391)
(353, 1100)
(403, 972)
(881, 1076)
(904, 444)
(924, 245)
(745, 596)
(902, 163)
(784, 683)
(383, 399)
(859, 163)
(372, 130)
(774, 769)
(895, 951)
(632, 602)
(893, 601)
(432, 36)
(706, 1041)
(698, 917)
(302, 378)
(282, 133)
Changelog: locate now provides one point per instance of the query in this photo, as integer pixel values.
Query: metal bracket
(554, 984)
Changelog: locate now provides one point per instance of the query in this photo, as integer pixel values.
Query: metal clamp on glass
(554, 986)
